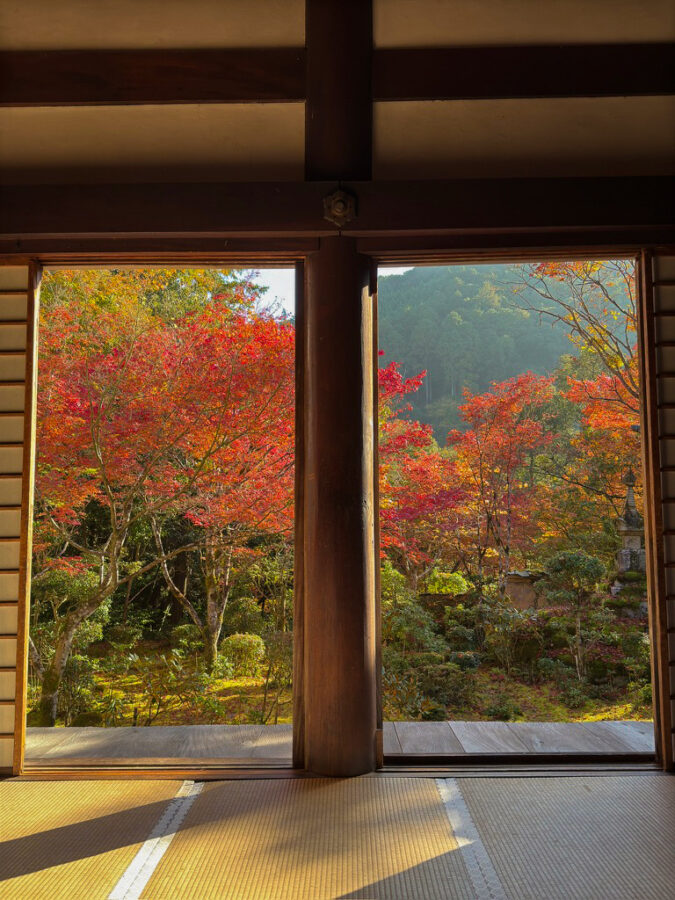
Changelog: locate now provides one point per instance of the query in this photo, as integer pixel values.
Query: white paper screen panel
(8, 619)
(11, 428)
(664, 303)
(429, 23)
(9, 587)
(83, 24)
(664, 268)
(6, 752)
(581, 136)
(11, 460)
(6, 718)
(12, 337)
(7, 651)
(14, 287)
(7, 685)
(14, 307)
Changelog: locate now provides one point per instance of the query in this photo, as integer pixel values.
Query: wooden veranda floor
(271, 744)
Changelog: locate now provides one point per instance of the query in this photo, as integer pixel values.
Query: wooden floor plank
(208, 741)
(43, 740)
(273, 741)
(427, 737)
(635, 737)
(488, 737)
(390, 739)
(559, 737)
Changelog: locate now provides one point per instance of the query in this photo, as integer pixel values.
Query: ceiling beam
(295, 209)
(511, 204)
(109, 77)
(482, 73)
(233, 209)
(258, 75)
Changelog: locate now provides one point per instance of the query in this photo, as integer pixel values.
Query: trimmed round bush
(246, 653)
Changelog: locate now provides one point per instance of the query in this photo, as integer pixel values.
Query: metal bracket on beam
(339, 208)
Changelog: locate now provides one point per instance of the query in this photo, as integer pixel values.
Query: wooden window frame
(400, 252)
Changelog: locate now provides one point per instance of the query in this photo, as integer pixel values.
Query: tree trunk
(217, 564)
(53, 673)
(180, 578)
(211, 649)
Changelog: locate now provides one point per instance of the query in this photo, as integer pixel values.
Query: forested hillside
(463, 325)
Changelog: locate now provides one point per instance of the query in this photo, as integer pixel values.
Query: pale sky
(281, 283)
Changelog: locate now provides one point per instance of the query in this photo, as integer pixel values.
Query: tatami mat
(578, 838)
(313, 839)
(73, 839)
(379, 837)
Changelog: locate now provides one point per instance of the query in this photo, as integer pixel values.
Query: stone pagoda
(630, 525)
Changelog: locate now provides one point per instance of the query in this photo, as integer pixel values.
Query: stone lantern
(631, 556)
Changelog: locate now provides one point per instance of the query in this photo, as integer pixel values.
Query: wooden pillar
(340, 718)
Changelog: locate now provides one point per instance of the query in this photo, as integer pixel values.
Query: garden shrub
(222, 668)
(467, 660)
(425, 658)
(554, 670)
(406, 624)
(246, 653)
(279, 657)
(394, 662)
(513, 638)
(573, 695)
(434, 712)
(451, 583)
(278, 673)
(88, 719)
(460, 637)
(123, 636)
(641, 694)
(186, 637)
(76, 695)
(447, 684)
(166, 683)
(503, 708)
(402, 698)
(244, 616)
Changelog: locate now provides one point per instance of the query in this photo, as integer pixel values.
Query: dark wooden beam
(295, 209)
(493, 246)
(338, 120)
(482, 73)
(207, 251)
(338, 103)
(511, 205)
(78, 77)
(116, 211)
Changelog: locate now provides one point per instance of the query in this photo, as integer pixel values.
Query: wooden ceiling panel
(92, 24)
(525, 138)
(152, 143)
(438, 23)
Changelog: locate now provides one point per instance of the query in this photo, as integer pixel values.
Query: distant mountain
(464, 326)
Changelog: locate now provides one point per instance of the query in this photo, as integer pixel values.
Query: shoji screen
(658, 350)
(18, 287)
